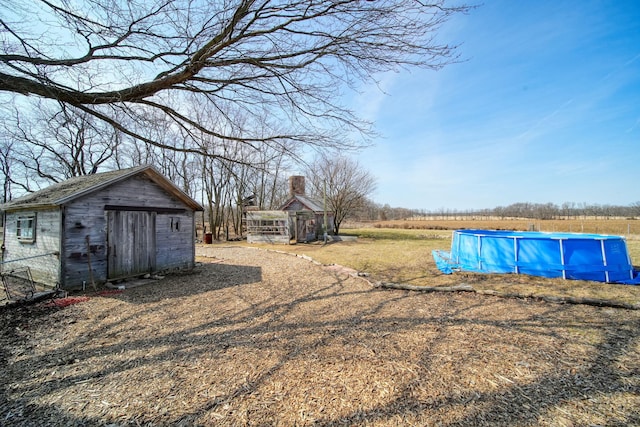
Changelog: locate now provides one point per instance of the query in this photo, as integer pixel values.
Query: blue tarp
(443, 261)
(567, 255)
(634, 281)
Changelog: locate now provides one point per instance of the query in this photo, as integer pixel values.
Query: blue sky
(544, 108)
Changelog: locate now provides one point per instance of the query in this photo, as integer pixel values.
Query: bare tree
(6, 169)
(217, 181)
(50, 142)
(52, 145)
(344, 183)
(122, 61)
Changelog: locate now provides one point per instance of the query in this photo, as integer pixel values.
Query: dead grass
(404, 256)
(259, 338)
(614, 226)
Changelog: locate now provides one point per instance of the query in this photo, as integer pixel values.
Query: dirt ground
(260, 338)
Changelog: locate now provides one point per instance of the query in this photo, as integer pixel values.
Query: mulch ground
(259, 338)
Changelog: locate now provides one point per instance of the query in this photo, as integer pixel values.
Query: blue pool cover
(596, 257)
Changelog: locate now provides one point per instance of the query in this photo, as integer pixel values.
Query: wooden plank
(267, 216)
(284, 240)
(132, 243)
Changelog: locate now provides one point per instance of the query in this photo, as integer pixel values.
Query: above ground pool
(596, 257)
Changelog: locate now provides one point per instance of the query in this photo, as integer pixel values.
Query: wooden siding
(87, 217)
(276, 240)
(41, 255)
(131, 237)
(175, 234)
(71, 245)
(295, 205)
(84, 245)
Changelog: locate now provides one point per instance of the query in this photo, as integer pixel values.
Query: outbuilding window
(26, 228)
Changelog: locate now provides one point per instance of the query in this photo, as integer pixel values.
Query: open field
(628, 228)
(617, 226)
(258, 338)
(399, 255)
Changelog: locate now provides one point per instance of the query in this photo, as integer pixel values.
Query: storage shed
(307, 214)
(100, 227)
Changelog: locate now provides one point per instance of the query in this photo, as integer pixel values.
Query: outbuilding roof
(307, 202)
(64, 192)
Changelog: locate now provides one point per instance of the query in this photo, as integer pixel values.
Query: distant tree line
(540, 211)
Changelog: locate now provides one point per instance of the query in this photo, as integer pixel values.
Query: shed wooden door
(131, 237)
(301, 230)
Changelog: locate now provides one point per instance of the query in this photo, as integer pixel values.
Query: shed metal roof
(73, 188)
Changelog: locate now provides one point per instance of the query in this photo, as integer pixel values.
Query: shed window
(26, 228)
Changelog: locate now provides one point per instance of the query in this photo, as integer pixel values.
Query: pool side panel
(569, 255)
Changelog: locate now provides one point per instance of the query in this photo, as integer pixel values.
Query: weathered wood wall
(41, 255)
(87, 217)
(297, 206)
(84, 244)
(71, 245)
(175, 240)
(132, 243)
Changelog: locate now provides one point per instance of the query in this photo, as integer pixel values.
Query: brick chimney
(296, 185)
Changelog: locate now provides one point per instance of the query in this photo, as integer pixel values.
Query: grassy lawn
(404, 256)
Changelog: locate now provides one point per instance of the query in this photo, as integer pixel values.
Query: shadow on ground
(233, 345)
